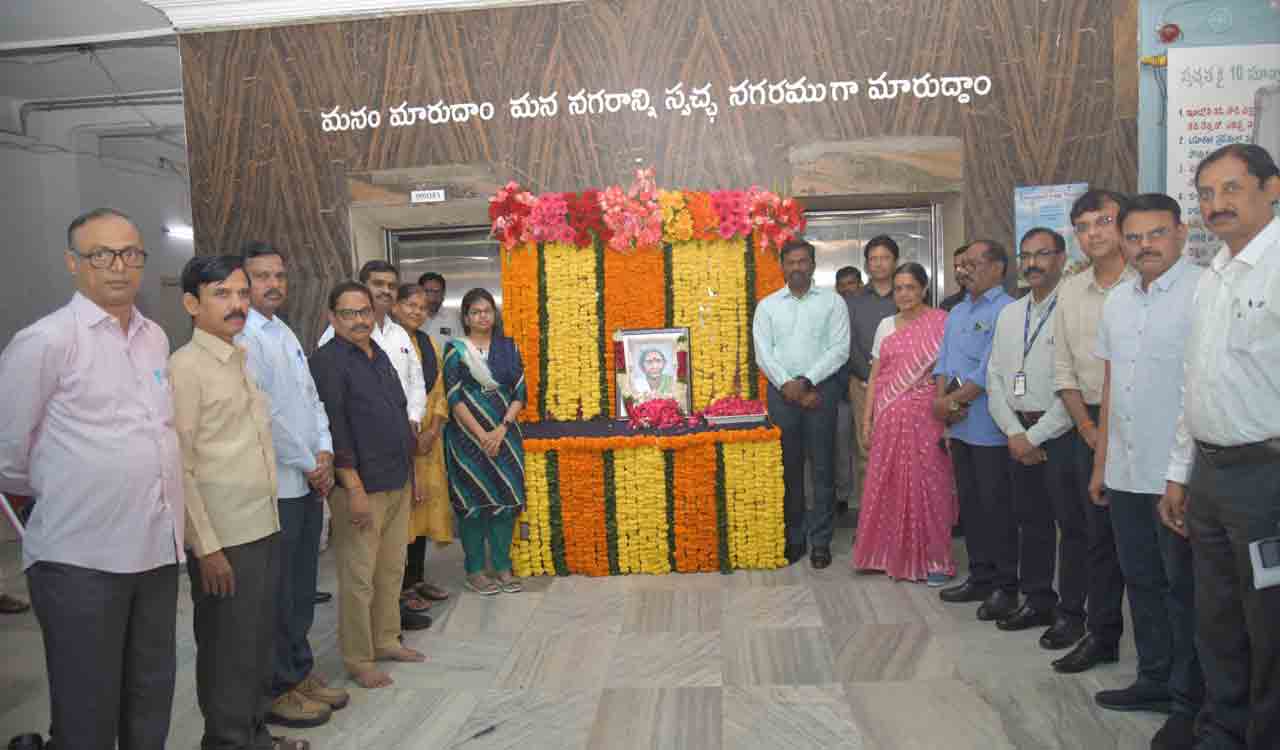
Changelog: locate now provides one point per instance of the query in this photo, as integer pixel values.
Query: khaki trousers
(370, 570)
(857, 403)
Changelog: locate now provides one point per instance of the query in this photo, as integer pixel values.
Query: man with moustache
(86, 426)
(979, 449)
(962, 278)
(1143, 335)
(304, 470)
(372, 449)
(1078, 376)
(382, 279)
(866, 309)
(1029, 413)
(229, 471)
(1224, 472)
(441, 324)
(848, 283)
(801, 336)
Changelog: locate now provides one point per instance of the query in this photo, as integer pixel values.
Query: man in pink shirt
(86, 427)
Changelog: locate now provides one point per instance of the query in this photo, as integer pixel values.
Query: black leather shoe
(999, 605)
(1026, 617)
(322, 597)
(1178, 733)
(410, 620)
(794, 553)
(1140, 696)
(965, 592)
(1087, 654)
(820, 557)
(1064, 633)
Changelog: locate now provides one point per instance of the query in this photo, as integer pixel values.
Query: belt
(1222, 456)
(1029, 418)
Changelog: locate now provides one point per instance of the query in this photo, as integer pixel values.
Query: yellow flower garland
(532, 556)
(753, 501)
(641, 511)
(572, 377)
(709, 297)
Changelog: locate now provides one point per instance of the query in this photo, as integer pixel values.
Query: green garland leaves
(542, 341)
(749, 267)
(605, 342)
(722, 512)
(611, 512)
(554, 511)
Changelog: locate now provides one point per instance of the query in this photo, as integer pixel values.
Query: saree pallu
(434, 517)
(908, 498)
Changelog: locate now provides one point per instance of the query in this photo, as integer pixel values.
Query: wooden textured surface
(261, 167)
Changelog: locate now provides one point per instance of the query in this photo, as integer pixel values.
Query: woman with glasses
(432, 519)
(908, 496)
(484, 381)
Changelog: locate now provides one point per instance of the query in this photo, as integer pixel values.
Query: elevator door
(840, 236)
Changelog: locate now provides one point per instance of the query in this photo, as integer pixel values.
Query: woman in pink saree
(908, 497)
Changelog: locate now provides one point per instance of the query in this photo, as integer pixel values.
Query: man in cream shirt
(229, 468)
(1224, 474)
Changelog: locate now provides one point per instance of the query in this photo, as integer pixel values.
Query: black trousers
(986, 510)
(1161, 586)
(301, 521)
(1037, 533)
(1238, 626)
(1073, 530)
(808, 434)
(109, 644)
(235, 648)
(1106, 580)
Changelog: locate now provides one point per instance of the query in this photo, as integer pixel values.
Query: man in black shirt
(962, 280)
(372, 459)
(866, 309)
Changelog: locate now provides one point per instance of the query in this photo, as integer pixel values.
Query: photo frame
(652, 363)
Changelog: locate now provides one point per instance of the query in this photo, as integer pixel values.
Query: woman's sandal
(289, 743)
(431, 592)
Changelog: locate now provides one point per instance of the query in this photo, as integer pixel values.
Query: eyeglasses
(130, 257)
(1082, 227)
(1158, 233)
(1038, 255)
(349, 315)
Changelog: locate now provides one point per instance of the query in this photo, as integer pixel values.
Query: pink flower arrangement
(733, 209)
(733, 406)
(631, 218)
(549, 220)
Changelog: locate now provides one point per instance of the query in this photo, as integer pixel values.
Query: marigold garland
(533, 556)
(694, 503)
(768, 273)
(640, 502)
(634, 297)
(520, 317)
(709, 297)
(586, 545)
(753, 504)
(571, 378)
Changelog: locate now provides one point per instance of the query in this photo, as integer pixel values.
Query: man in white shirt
(1224, 472)
(441, 324)
(1142, 337)
(382, 278)
(1025, 407)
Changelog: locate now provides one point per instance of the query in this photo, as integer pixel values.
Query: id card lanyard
(1028, 341)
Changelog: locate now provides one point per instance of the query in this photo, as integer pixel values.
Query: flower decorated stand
(577, 267)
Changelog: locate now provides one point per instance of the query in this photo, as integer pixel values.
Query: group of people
(1117, 429)
(224, 455)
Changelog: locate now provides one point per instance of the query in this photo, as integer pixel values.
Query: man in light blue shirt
(801, 336)
(1146, 324)
(978, 446)
(304, 470)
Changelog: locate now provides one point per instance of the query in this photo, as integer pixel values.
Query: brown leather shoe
(315, 688)
(293, 709)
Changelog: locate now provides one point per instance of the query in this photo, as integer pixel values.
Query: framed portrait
(652, 363)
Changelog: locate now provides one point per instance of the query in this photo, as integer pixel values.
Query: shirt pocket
(1251, 318)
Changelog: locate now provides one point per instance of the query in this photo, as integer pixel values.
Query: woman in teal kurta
(484, 453)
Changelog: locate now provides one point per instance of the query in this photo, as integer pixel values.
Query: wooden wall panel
(262, 168)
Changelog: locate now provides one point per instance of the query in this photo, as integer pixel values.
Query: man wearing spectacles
(372, 457)
(1029, 412)
(1078, 376)
(86, 427)
(1142, 340)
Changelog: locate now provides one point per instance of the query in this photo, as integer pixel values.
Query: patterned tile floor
(793, 658)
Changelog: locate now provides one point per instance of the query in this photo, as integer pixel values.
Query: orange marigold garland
(586, 544)
(520, 317)
(768, 273)
(633, 298)
(694, 500)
